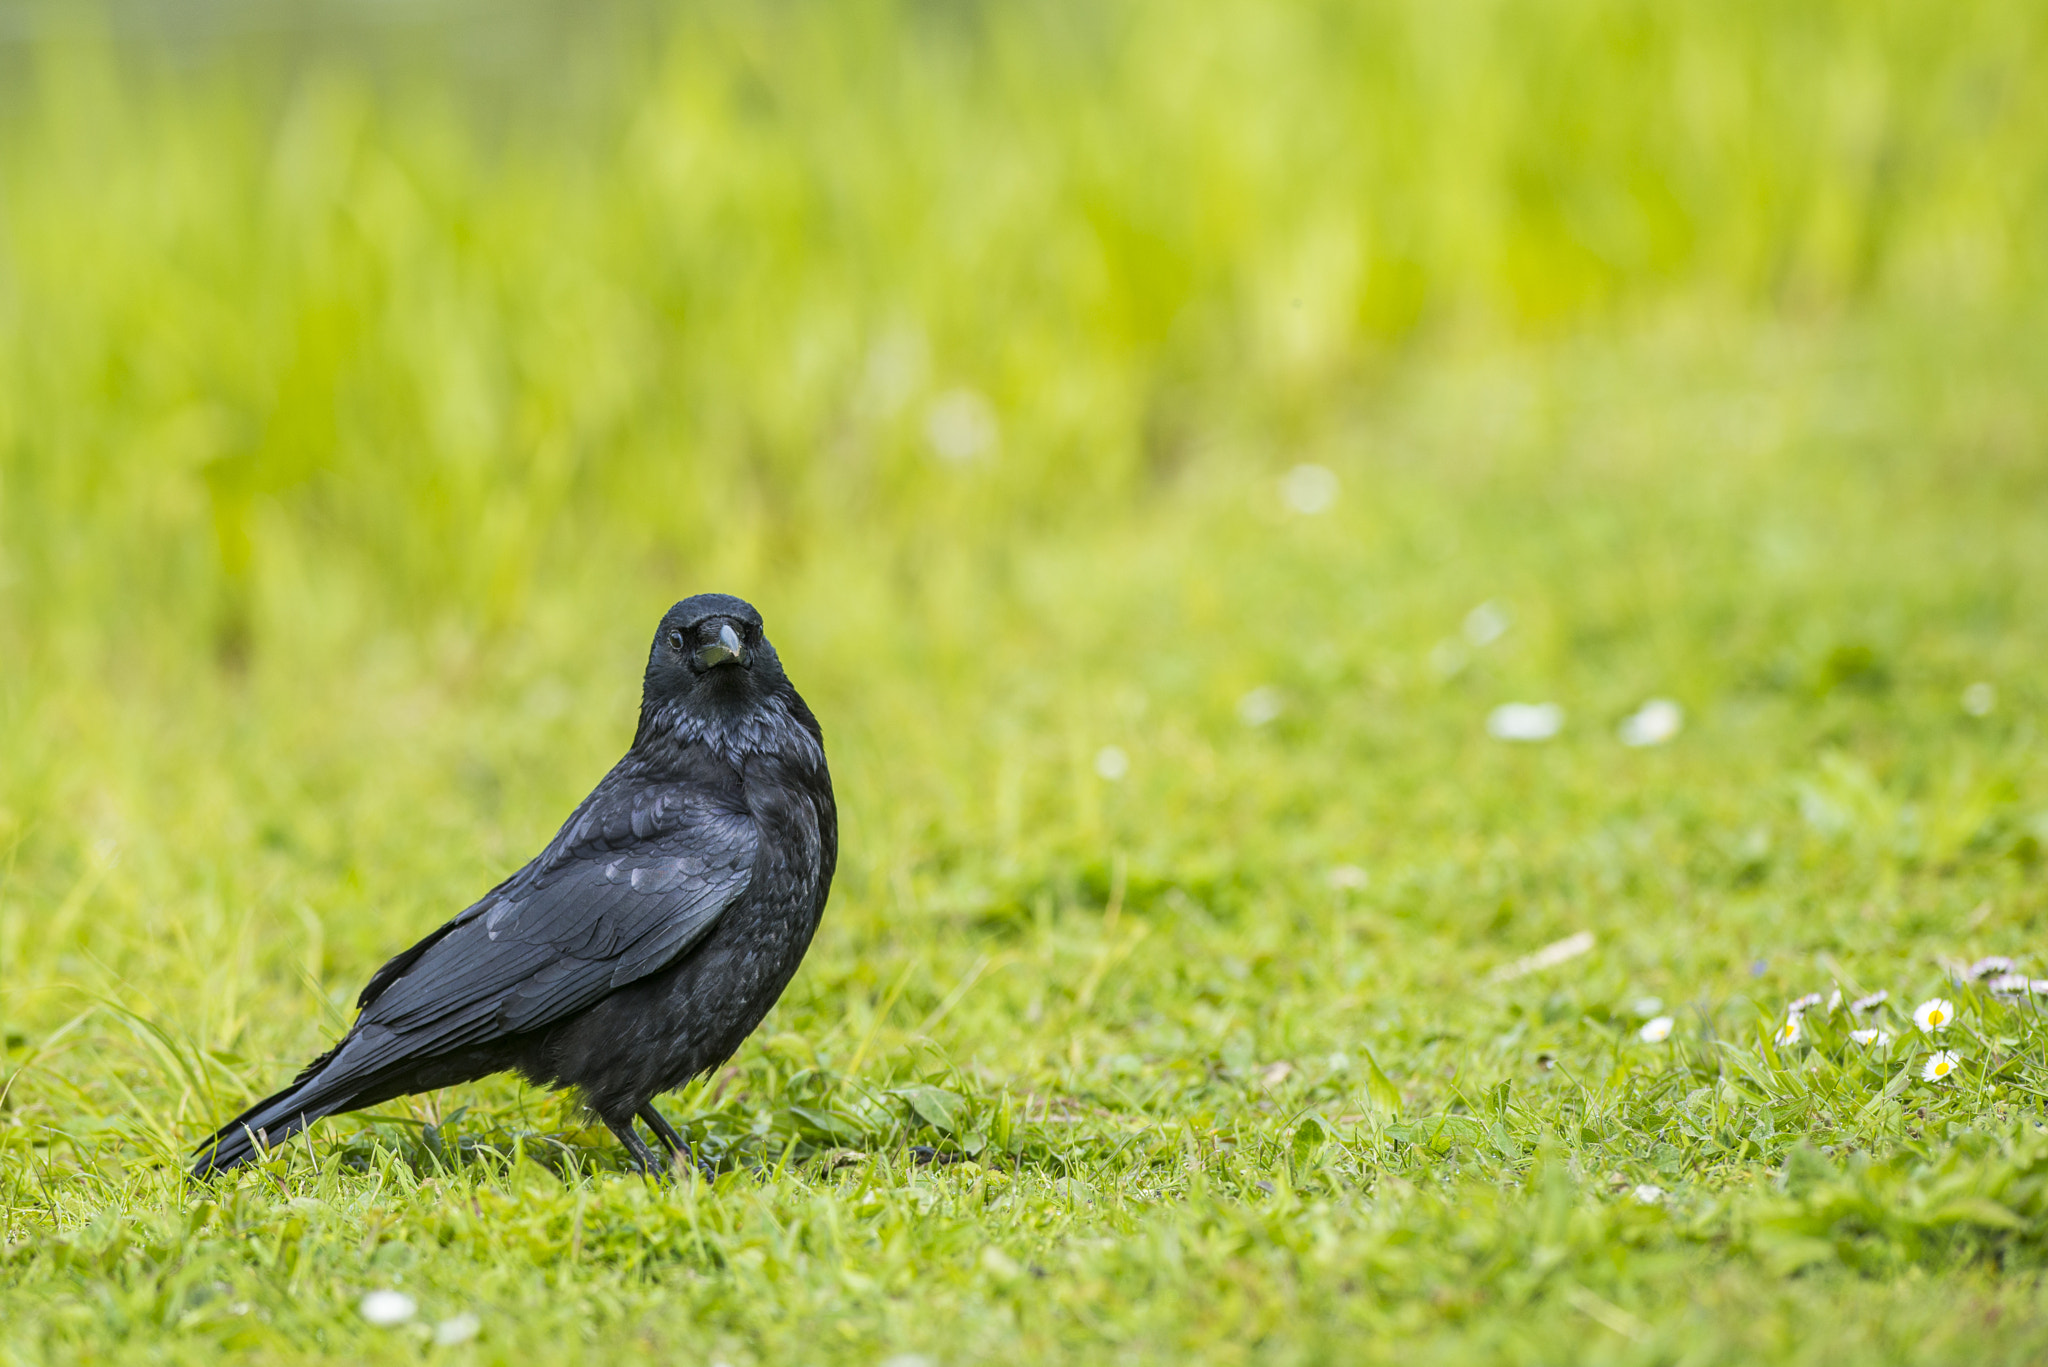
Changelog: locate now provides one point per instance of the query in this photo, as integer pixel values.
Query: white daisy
(1525, 721)
(1656, 1030)
(387, 1308)
(1791, 1031)
(1875, 1039)
(2007, 985)
(1655, 722)
(1648, 1194)
(1799, 1005)
(1874, 1000)
(1940, 1064)
(1936, 1013)
(460, 1329)
(1986, 966)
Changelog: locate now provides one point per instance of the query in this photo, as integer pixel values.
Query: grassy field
(1159, 441)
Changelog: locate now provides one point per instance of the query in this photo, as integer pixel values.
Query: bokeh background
(1058, 378)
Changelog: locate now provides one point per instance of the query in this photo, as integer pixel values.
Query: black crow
(644, 943)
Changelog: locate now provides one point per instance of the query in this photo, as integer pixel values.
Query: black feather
(644, 943)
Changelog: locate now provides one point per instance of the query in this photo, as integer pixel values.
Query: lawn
(1162, 440)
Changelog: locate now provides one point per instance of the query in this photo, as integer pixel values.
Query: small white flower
(1875, 999)
(387, 1308)
(1940, 1064)
(1349, 877)
(1656, 1030)
(1988, 965)
(1791, 1032)
(1979, 698)
(2007, 985)
(1309, 489)
(1934, 1014)
(1487, 623)
(1111, 763)
(1875, 1039)
(1525, 721)
(461, 1329)
(1800, 1005)
(1655, 722)
(1260, 706)
(1834, 1001)
(1648, 1195)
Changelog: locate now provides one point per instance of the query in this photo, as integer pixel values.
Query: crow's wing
(630, 883)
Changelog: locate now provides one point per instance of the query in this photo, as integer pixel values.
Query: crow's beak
(726, 650)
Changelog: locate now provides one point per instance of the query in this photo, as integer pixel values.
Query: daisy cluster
(1871, 1025)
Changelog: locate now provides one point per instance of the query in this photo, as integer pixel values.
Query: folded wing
(622, 892)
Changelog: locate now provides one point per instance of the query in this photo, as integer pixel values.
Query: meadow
(1161, 439)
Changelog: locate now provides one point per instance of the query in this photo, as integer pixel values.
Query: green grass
(361, 410)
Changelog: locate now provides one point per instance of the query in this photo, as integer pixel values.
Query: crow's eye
(675, 641)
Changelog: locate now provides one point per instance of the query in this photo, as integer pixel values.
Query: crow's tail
(276, 1118)
(265, 1125)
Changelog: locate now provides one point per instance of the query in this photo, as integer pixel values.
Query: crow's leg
(678, 1147)
(643, 1157)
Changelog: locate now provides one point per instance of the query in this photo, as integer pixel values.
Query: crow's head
(710, 660)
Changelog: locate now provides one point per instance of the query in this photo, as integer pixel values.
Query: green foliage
(1184, 994)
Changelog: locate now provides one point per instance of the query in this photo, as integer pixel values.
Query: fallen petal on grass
(1551, 955)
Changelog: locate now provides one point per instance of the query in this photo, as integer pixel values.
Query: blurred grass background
(371, 377)
(375, 380)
